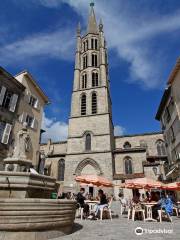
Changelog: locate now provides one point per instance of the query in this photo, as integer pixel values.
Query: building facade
(169, 115)
(91, 147)
(30, 112)
(11, 92)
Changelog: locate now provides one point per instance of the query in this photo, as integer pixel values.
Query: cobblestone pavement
(121, 228)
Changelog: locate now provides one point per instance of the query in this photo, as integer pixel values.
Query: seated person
(142, 199)
(80, 201)
(103, 202)
(136, 198)
(164, 203)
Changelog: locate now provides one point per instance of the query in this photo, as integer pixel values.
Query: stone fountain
(26, 209)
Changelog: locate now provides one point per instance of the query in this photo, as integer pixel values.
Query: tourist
(143, 198)
(123, 202)
(80, 198)
(103, 202)
(136, 198)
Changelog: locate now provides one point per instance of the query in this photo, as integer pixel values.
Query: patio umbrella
(95, 180)
(172, 186)
(143, 183)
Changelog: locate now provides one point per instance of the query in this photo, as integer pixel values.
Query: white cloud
(57, 44)
(55, 130)
(119, 130)
(127, 31)
(130, 35)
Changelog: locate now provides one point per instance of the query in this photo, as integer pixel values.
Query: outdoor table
(149, 211)
(91, 204)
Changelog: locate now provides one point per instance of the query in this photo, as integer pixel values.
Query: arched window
(83, 104)
(85, 45)
(94, 79)
(85, 60)
(84, 81)
(88, 142)
(127, 145)
(161, 150)
(94, 43)
(94, 103)
(94, 60)
(128, 165)
(61, 168)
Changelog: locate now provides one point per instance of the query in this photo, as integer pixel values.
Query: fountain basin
(25, 185)
(36, 218)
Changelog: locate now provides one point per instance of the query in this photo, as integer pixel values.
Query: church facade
(91, 147)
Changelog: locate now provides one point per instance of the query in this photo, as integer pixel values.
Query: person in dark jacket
(80, 198)
(103, 202)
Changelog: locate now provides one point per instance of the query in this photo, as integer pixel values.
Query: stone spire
(92, 25)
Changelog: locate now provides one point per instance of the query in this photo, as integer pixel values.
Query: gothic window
(61, 168)
(161, 150)
(94, 79)
(94, 60)
(88, 142)
(84, 81)
(94, 103)
(85, 60)
(85, 45)
(92, 43)
(96, 44)
(127, 145)
(128, 165)
(83, 104)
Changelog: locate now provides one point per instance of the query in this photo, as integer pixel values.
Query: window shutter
(22, 117)
(13, 103)
(6, 134)
(27, 97)
(2, 93)
(35, 124)
(37, 105)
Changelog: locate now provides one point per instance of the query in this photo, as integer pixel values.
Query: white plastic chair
(138, 209)
(161, 212)
(108, 209)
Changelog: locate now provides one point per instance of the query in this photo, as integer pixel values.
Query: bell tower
(90, 135)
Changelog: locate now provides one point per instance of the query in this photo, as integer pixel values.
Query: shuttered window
(2, 94)
(6, 134)
(83, 105)
(29, 121)
(7, 100)
(13, 103)
(94, 79)
(94, 103)
(2, 127)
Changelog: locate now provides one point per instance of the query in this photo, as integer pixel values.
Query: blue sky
(143, 42)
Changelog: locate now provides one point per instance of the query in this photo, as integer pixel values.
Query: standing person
(123, 202)
(80, 198)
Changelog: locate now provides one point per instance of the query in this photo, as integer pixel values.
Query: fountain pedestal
(26, 210)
